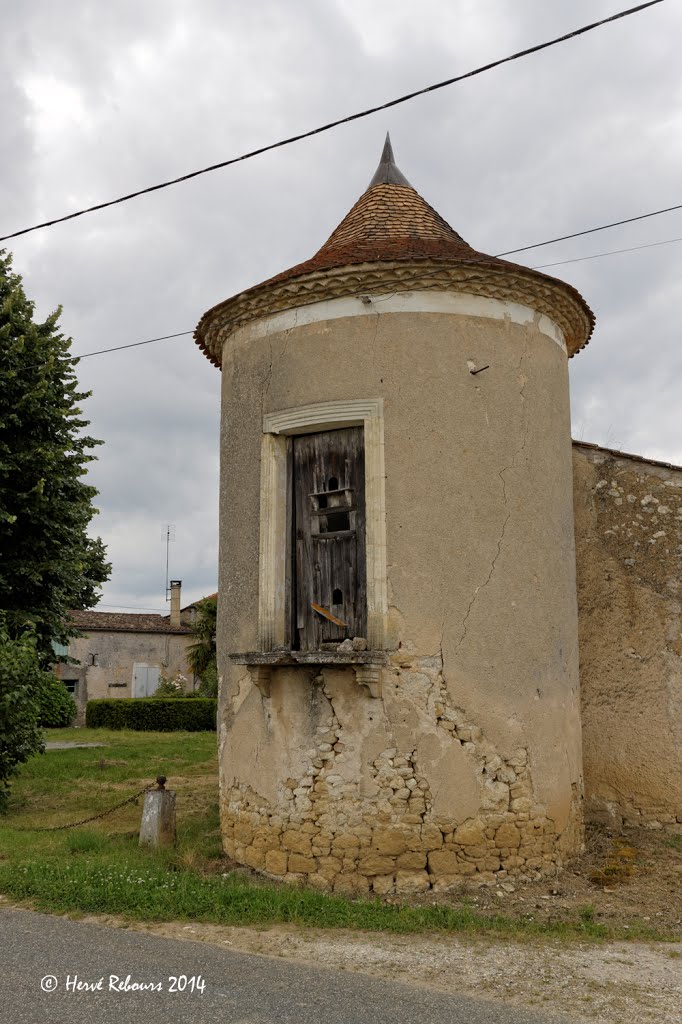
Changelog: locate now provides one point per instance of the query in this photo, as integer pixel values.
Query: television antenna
(168, 534)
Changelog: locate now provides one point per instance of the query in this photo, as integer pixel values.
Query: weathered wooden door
(145, 679)
(329, 537)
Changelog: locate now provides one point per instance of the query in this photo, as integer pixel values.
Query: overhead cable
(610, 252)
(540, 266)
(591, 231)
(342, 120)
(133, 344)
(116, 348)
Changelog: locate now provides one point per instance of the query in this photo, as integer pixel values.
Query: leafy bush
(168, 687)
(208, 686)
(153, 714)
(20, 680)
(202, 652)
(57, 706)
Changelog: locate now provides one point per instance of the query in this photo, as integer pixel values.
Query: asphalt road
(239, 988)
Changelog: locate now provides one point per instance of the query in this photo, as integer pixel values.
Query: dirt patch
(630, 881)
(627, 881)
(599, 983)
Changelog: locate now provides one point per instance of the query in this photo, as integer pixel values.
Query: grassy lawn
(99, 867)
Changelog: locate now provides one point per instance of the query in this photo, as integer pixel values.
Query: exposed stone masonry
(629, 546)
(329, 834)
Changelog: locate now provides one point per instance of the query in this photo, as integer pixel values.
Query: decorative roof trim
(545, 294)
(447, 303)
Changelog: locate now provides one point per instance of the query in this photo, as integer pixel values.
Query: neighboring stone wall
(628, 515)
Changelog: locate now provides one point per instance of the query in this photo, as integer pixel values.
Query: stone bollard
(158, 816)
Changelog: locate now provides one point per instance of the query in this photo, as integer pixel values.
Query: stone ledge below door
(366, 664)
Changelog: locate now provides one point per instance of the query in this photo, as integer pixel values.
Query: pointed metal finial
(387, 173)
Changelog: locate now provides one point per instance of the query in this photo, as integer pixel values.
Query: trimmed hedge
(153, 714)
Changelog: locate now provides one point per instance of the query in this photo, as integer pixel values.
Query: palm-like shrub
(201, 654)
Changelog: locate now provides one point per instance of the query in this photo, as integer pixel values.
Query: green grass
(100, 868)
(151, 892)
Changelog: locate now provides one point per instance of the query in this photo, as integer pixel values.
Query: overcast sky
(101, 99)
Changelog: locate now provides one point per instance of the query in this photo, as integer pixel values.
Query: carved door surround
(276, 505)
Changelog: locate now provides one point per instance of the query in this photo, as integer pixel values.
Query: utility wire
(133, 344)
(342, 120)
(540, 266)
(590, 231)
(136, 607)
(611, 252)
(116, 348)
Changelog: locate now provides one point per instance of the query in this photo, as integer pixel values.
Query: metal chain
(94, 817)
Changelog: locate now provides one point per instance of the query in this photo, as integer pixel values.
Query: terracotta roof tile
(391, 223)
(128, 622)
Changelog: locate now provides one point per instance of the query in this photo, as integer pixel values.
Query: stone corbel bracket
(261, 677)
(366, 666)
(369, 676)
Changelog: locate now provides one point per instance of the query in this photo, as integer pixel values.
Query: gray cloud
(114, 97)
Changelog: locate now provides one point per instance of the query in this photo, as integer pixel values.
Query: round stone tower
(397, 639)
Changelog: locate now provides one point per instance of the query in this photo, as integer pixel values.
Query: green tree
(48, 564)
(201, 654)
(21, 680)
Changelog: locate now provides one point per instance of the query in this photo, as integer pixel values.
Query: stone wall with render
(116, 653)
(628, 515)
(470, 763)
(439, 807)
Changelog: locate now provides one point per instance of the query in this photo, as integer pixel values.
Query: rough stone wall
(439, 806)
(628, 516)
(470, 764)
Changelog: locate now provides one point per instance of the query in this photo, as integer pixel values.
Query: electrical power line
(133, 344)
(130, 607)
(590, 231)
(116, 348)
(342, 120)
(541, 266)
(611, 252)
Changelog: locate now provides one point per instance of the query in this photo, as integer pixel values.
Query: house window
(61, 651)
(328, 565)
(72, 686)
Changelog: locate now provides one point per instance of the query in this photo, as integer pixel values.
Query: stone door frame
(273, 578)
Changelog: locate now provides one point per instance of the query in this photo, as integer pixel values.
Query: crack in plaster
(267, 379)
(483, 585)
(501, 474)
(265, 386)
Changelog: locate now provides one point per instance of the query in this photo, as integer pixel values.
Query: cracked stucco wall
(470, 764)
(629, 550)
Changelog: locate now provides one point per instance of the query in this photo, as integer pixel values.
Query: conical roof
(390, 227)
(390, 221)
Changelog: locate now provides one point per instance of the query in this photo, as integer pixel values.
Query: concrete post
(158, 817)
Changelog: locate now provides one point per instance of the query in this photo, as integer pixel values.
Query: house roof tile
(127, 622)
